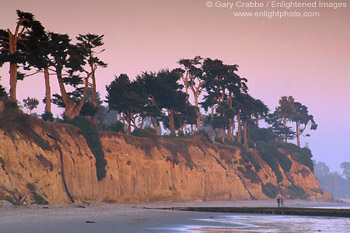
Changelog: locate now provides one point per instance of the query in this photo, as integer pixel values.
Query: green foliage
(270, 190)
(12, 121)
(146, 132)
(30, 103)
(262, 134)
(47, 116)
(93, 140)
(302, 155)
(39, 199)
(3, 93)
(117, 126)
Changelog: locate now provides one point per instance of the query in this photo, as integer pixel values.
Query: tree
(30, 104)
(249, 107)
(127, 98)
(346, 169)
(284, 133)
(193, 78)
(223, 84)
(284, 112)
(40, 46)
(70, 59)
(320, 169)
(302, 117)
(150, 84)
(89, 43)
(13, 48)
(221, 118)
(286, 109)
(169, 95)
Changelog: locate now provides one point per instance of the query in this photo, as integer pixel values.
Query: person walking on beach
(278, 201)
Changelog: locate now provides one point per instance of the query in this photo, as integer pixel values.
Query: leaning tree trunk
(198, 113)
(72, 109)
(94, 119)
(47, 90)
(13, 82)
(13, 65)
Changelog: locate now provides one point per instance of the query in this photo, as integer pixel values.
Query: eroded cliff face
(57, 165)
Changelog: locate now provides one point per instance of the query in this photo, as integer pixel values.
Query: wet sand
(105, 218)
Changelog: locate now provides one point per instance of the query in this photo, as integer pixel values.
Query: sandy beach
(122, 217)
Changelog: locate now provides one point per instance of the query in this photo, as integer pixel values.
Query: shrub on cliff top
(146, 132)
(302, 155)
(92, 138)
(117, 126)
(13, 121)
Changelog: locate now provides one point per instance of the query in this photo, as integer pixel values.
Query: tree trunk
(13, 82)
(47, 90)
(128, 118)
(154, 119)
(155, 125)
(94, 119)
(245, 134)
(198, 113)
(239, 133)
(223, 135)
(171, 121)
(72, 109)
(124, 128)
(298, 133)
(285, 126)
(211, 127)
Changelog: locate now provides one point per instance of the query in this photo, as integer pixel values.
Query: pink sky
(307, 58)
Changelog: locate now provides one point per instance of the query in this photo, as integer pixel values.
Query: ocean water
(266, 223)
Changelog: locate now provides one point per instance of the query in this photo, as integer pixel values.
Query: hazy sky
(308, 58)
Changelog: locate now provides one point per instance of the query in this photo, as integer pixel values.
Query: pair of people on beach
(280, 202)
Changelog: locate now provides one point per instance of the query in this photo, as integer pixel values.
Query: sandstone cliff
(52, 162)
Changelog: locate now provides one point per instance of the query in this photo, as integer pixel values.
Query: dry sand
(103, 218)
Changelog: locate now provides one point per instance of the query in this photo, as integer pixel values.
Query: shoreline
(82, 218)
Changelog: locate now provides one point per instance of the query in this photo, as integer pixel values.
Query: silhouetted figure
(278, 201)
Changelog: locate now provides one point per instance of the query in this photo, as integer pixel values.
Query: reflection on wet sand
(272, 223)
